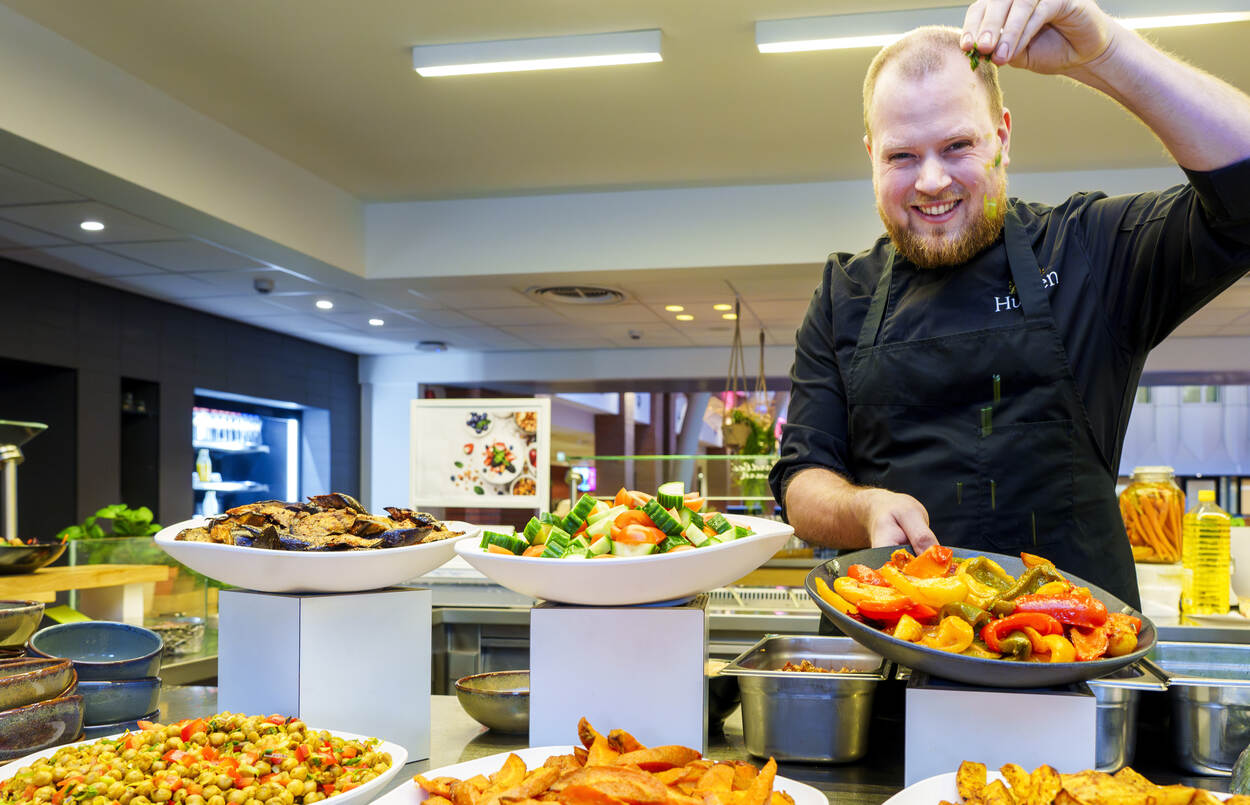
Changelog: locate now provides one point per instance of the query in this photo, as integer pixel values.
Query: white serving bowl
(270, 571)
(621, 581)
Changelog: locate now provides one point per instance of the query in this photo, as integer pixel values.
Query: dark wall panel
(101, 335)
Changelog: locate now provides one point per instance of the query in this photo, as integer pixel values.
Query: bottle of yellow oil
(1205, 553)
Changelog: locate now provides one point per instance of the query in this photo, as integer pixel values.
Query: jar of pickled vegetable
(1152, 506)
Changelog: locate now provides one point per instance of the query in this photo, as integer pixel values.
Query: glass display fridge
(244, 452)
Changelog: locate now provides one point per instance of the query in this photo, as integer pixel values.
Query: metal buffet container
(1209, 689)
(807, 716)
(1117, 694)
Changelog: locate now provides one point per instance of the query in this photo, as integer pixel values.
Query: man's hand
(896, 519)
(1045, 36)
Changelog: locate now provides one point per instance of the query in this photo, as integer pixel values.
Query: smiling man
(969, 377)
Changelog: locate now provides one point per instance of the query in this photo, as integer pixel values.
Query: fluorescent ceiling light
(544, 53)
(878, 29)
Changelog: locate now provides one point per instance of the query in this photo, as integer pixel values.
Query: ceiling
(334, 93)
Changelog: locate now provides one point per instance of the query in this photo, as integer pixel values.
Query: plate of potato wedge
(604, 769)
(1013, 785)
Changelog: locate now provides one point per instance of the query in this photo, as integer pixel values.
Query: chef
(969, 377)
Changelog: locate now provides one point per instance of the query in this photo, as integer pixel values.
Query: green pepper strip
(972, 614)
(978, 569)
(1016, 646)
(1027, 584)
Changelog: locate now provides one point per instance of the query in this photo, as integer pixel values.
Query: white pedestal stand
(948, 722)
(355, 662)
(634, 668)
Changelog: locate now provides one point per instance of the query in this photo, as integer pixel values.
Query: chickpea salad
(226, 759)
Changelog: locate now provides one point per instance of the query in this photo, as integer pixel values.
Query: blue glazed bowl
(115, 701)
(101, 649)
(104, 730)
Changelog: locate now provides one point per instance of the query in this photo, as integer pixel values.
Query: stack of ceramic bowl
(38, 708)
(117, 667)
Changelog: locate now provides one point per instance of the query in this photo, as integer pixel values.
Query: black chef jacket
(1122, 273)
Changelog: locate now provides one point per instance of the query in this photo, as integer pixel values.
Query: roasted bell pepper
(972, 614)
(954, 634)
(1089, 643)
(834, 600)
(1031, 580)
(1033, 560)
(988, 572)
(887, 612)
(1054, 588)
(932, 563)
(1058, 648)
(1016, 646)
(993, 632)
(856, 592)
(1122, 633)
(866, 575)
(934, 592)
(980, 650)
(901, 557)
(1036, 640)
(1070, 609)
(907, 628)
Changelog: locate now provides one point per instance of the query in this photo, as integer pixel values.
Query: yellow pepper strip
(1061, 649)
(907, 628)
(834, 600)
(979, 593)
(855, 592)
(1053, 588)
(936, 593)
(954, 634)
(978, 650)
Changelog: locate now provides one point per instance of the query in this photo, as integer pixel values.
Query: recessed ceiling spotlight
(91, 226)
(376, 322)
(730, 316)
(324, 304)
(431, 346)
(684, 317)
(674, 308)
(722, 306)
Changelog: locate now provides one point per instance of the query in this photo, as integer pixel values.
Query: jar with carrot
(1152, 506)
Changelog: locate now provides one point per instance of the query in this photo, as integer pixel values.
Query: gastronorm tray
(974, 670)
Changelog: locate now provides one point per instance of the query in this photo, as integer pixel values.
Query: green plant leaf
(110, 512)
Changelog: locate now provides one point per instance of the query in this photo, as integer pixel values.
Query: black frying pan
(974, 670)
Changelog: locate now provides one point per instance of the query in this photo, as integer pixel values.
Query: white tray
(933, 790)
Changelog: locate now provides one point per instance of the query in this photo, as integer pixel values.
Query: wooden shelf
(42, 585)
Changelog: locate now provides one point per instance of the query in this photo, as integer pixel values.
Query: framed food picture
(492, 453)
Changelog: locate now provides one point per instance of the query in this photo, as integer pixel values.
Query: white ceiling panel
(243, 282)
(247, 308)
(499, 316)
(186, 256)
(473, 298)
(485, 337)
(17, 188)
(649, 336)
(307, 302)
(103, 263)
(444, 318)
(784, 286)
(771, 310)
(16, 236)
(414, 300)
(64, 219)
(307, 325)
(164, 285)
(1237, 296)
(617, 314)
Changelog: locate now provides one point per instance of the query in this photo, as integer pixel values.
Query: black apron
(988, 431)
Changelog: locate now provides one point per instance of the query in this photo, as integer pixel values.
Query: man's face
(938, 163)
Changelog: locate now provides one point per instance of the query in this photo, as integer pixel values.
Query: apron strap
(876, 310)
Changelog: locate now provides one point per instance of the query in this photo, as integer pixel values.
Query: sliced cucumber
(577, 547)
(532, 529)
(696, 518)
(600, 528)
(662, 519)
(741, 531)
(509, 542)
(718, 523)
(684, 517)
(671, 494)
(557, 541)
(670, 543)
(629, 549)
(576, 518)
(696, 536)
(599, 547)
(549, 518)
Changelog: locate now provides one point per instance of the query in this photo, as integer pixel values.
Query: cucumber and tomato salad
(632, 524)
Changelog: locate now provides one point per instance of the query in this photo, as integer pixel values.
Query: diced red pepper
(145, 725)
(176, 756)
(302, 753)
(1074, 610)
(277, 719)
(866, 575)
(209, 752)
(997, 629)
(193, 726)
(1090, 643)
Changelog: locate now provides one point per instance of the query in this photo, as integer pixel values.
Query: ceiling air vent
(578, 294)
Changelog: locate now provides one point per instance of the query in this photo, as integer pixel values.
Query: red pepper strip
(888, 613)
(1091, 643)
(866, 575)
(1073, 610)
(900, 558)
(995, 630)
